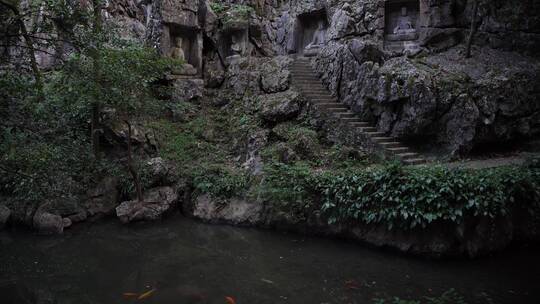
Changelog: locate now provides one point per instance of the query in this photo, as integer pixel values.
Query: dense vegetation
(408, 196)
(48, 149)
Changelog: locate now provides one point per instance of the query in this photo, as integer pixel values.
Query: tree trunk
(96, 109)
(131, 168)
(473, 29)
(29, 45)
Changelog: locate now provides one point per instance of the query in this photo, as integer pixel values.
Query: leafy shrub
(220, 181)
(234, 13)
(407, 196)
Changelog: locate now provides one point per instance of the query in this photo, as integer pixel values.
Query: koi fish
(230, 300)
(130, 295)
(352, 284)
(146, 294)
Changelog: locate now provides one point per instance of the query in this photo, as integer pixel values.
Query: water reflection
(189, 262)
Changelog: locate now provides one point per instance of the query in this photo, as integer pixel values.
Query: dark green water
(190, 262)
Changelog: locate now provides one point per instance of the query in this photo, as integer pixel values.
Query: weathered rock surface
(478, 236)
(47, 223)
(276, 75)
(5, 215)
(157, 202)
(185, 90)
(234, 211)
(280, 106)
(103, 199)
(161, 172)
(458, 103)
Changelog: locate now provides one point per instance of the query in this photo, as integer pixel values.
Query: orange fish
(146, 294)
(130, 295)
(352, 284)
(230, 300)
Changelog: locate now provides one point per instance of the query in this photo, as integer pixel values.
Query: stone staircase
(311, 87)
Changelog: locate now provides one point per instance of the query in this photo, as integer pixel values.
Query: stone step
(305, 78)
(329, 105)
(342, 115)
(309, 83)
(361, 124)
(375, 134)
(316, 84)
(414, 161)
(320, 96)
(397, 150)
(311, 86)
(367, 129)
(351, 120)
(317, 95)
(305, 75)
(323, 99)
(383, 139)
(392, 144)
(338, 110)
(408, 155)
(315, 91)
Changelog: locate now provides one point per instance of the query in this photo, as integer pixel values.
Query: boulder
(233, 211)
(161, 172)
(280, 107)
(5, 215)
(214, 74)
(184, 90)
(275, 75)
(364, 51)
(157, 202)
(47, 223)
(103, 199)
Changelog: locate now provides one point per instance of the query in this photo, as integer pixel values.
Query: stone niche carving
(310, 33)
(184, 43)
(234, 43)
(401, 25)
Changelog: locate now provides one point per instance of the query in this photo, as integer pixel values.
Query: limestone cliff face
(413, 83)
(434, 93)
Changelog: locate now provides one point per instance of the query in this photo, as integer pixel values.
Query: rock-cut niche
(310, 32)
(401, 25)
(185, 44)
(233, 42)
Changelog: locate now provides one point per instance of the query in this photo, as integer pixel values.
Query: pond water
(183, 261)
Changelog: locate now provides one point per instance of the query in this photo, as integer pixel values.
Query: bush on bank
(407, 197)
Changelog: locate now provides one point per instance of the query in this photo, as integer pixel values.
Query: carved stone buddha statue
(318, 40)
(404, 23)
(177, 52)
(236, 45)
(404, 30)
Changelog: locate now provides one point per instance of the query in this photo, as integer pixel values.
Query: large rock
(160, 172)
(48, 223)
(456, 104)
(185, 90)
(5, 214)
(281, 106)
(233, 211)
(103, 199)
(275, 75)
(157, 202)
